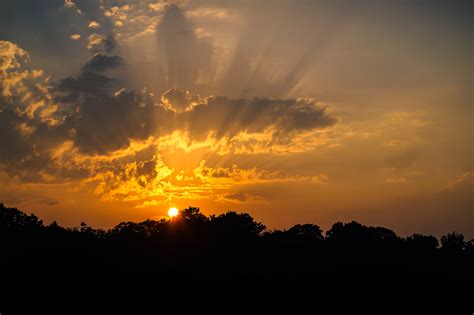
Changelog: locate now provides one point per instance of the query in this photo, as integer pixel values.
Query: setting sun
(172, 212)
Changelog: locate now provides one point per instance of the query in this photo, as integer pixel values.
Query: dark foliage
(230, 245)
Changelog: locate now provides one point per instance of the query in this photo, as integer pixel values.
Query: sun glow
(172, 212)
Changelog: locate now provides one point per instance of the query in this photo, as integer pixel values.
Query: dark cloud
(8, 197)
(104, 118)
(109, 123)
(242, 197)
(14, 146)
(110, 44)
(105, 122)
(101, 63)
(88, 83)
(49, 202)
(27, 145)
(228, 117)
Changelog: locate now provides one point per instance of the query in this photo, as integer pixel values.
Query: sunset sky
(293, 111)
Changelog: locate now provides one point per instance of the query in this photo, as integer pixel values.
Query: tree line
(230, 245)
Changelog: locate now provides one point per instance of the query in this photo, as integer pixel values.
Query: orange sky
(296, 112)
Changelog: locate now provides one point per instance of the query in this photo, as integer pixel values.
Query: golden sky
(292, 111)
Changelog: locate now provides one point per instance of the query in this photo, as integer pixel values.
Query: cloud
(119, 12)
(209, 12)
(69, 4)
(134, 19)
(157, 6)
(108, 118)
(110, 44)
(88, 114)
(94, 25)
(240, 197)
(222, 123)
(225, 125)
(13, 80)
(277, 120)
(225, 176)
(88, 83)
(151, 181)
(320, 179)
(101, 63)
(32, 122)
(110, 139)
(11, 56)
(25, 91)
(179, 53)
(14, 144)
(94, 40)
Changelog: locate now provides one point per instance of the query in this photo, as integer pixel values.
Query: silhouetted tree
(13, 220)
(356, 233)
(137, 231)
(192, 214)
(236, 225)
(422, 242)
(308, 232)
(453, 242)
(469, 247)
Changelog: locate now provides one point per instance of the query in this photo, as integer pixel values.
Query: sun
(172, 212)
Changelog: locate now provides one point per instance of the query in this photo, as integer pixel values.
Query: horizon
(174, 213)
(291, 111)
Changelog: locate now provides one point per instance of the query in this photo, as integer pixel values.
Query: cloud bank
(89, 128)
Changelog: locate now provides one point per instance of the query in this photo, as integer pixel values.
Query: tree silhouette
(308, 232)
(453, 242)
(13, 220)
(229, 245)
(422, 242)
(236, 225)
(356, 234)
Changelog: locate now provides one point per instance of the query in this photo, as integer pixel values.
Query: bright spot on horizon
(172, 212)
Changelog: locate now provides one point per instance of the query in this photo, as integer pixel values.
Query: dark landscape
(229, 246)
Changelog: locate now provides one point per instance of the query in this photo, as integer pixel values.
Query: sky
(293, 111)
